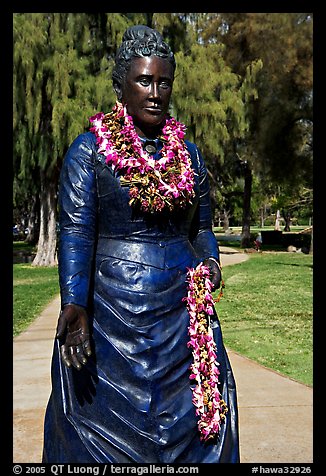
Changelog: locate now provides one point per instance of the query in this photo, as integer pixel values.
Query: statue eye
(144, 81)
(165, 84)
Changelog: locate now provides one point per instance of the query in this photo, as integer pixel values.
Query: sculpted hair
(139, 41)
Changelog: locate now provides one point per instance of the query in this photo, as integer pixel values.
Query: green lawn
(34, 287)
(266, 311)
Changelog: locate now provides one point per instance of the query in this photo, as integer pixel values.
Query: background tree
(213, 105)
(62, 66)
(281, 117)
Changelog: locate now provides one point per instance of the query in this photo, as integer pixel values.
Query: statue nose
(154, 93)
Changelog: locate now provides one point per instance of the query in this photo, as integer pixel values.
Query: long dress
(132, 401)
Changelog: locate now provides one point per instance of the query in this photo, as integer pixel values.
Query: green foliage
(281, 118)
(57, 83)
(278, 145)
(211, 104)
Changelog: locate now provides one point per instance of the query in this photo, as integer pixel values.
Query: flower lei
(167, 182)
(210, 407)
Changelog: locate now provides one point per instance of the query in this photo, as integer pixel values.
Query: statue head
(138, 41)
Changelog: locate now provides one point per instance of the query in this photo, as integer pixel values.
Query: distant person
(258, 242)
(138, 261)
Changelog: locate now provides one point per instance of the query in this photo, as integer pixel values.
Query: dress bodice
(116, 218)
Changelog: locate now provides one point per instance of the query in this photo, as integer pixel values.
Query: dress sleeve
(77, 221)
(202, 235)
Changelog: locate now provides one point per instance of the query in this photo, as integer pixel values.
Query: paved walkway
(275, 412)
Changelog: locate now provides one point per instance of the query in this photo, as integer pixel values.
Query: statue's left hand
(215, 273)
(73, 335)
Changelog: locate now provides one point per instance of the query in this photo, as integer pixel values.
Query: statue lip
(154, 109)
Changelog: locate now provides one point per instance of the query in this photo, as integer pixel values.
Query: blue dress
(132, 401)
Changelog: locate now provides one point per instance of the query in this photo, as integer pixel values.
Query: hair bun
(138, 32)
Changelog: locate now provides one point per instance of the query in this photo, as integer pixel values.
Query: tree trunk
(47, 244)
(311, 249)
(277, 226)
(246, 217)
(262, 216)
(33, 222)
(226, 222)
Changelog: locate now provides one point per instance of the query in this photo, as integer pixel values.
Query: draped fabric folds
(132, 401)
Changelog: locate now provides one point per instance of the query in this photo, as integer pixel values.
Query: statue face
(146, 92)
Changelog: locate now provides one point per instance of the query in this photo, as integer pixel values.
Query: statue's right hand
(73, 335)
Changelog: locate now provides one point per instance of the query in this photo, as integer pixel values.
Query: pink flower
(204, 369)
(97, 118)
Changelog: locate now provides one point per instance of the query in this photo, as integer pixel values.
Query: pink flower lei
(210, 407)
(167, 182)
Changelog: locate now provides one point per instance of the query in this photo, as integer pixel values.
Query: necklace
(210, 407)
(155, 184)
